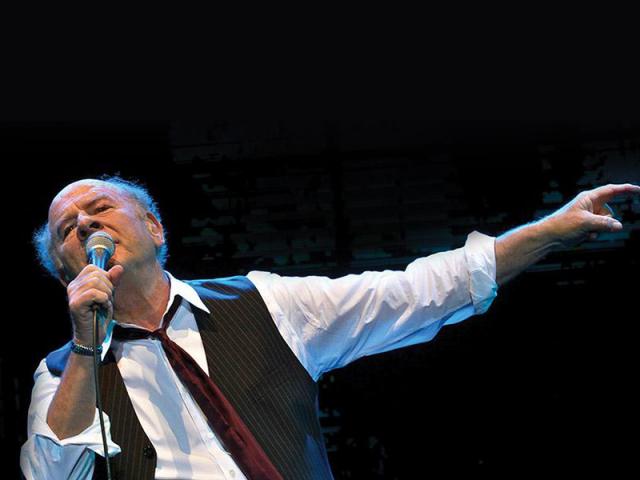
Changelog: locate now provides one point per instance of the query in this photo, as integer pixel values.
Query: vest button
(148, 451)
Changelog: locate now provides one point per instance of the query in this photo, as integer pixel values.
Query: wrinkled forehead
(75, 193)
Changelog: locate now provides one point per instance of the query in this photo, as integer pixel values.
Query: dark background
(542, 382)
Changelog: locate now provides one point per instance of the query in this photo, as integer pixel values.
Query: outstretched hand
(588, 214)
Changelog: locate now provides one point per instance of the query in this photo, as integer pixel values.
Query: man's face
(87, 206)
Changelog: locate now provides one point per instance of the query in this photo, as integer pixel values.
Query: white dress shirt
(327, 323)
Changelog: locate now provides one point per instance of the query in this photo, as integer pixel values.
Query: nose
(86, 226)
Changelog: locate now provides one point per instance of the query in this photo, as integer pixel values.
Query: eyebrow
(68, 217)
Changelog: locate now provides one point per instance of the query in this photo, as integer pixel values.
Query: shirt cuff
(481, 261)
(90, 438)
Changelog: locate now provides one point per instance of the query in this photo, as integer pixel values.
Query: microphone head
(99, 248)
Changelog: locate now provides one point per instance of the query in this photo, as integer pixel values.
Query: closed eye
(68, 230)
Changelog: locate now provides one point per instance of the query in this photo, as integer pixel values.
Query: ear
(155, 229)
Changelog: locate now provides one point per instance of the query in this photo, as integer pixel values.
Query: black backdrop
(543, 381)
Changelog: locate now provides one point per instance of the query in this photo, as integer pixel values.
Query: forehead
(78, 193)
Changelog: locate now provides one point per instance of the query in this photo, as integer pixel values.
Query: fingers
(90, 299)
(588, 214)
(606, 210)
(115, 273)
(91, 277)
(603, 219)
(90, 291)
(605, 193)
(603, 223)
(92, 288)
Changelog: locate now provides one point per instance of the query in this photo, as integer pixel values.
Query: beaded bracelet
(84, 350)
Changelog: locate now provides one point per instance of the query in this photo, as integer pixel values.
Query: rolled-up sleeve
(480, 253)
(44, 455)
(329, 323)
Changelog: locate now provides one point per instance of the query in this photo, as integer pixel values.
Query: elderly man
(217, 378)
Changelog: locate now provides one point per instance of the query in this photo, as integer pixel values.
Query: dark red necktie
(222, 417)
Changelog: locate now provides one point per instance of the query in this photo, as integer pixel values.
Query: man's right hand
(92, 289)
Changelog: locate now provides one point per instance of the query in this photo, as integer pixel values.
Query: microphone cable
(96, 365)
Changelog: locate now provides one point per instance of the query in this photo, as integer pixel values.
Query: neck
(141, 297)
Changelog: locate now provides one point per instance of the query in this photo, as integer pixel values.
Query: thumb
(115, 273)
(603, 223)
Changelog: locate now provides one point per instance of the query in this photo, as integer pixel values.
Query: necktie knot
(160, 334)
(123, 334)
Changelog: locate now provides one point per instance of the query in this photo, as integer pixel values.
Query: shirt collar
(177, 287)
(186, 291)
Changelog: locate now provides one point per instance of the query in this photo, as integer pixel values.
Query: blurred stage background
(543, 381)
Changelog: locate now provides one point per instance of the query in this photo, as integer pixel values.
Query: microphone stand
(96, 364)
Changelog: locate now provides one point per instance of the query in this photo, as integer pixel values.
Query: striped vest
(255, 369)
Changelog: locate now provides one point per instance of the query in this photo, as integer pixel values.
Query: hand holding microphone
(93, 288)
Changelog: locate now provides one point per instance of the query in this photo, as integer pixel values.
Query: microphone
(100, 248)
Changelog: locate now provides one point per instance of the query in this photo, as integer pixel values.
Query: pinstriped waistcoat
(255, 369)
